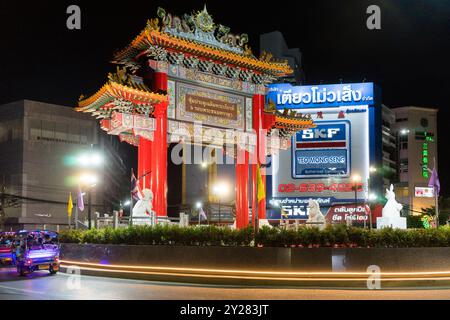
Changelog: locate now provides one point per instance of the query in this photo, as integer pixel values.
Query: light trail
(261, 275)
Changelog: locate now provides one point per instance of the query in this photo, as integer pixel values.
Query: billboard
(286, 96)
(323, 151)
(422, 192)
(323, 161)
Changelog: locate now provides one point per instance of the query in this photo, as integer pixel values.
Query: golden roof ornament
(266, 56)
(153, 24)
(204, 21)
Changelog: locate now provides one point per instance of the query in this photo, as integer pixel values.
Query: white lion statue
(392, 208)
(316, 218)
(391, 213)
(143, 209)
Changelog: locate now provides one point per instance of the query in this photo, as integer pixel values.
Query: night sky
(409, 57)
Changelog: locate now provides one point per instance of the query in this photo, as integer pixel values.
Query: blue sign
(286, 96)
(320, 163)
(295, 208)
(323, 132)
(322, 151)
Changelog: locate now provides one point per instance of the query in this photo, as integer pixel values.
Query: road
(41, 286)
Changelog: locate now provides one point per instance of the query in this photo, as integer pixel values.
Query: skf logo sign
(323, 151)
(323, 136)
(329, 133)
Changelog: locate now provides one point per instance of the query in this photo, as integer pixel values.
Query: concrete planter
(246, 258)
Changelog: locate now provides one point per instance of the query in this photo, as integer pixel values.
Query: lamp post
(370, 196)
(199, 205)
(220, 189)
(90, 180)
(91, 160)
(356, 178)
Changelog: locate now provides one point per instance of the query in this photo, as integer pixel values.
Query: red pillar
(159, 156)
(144, 163)
(242, 191)
(260, 153)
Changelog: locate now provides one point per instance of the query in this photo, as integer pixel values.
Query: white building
(416, 130)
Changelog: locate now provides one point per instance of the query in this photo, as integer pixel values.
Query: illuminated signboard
(322, 151)
(321, 161)
(286, 96)
(424, 192)
(348, 212)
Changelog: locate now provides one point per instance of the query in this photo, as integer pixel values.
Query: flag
(136, 192)
(202, 214)
(260, 186)
(434, 182)
(70, 205)
(284, 213)
(80, 202)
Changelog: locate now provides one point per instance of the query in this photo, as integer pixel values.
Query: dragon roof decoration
(200, 27)
(196, 35)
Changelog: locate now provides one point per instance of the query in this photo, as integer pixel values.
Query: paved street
(42, 286)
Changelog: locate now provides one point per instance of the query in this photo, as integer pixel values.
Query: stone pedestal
(392, 222)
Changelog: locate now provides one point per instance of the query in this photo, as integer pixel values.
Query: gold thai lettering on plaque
(211, 107)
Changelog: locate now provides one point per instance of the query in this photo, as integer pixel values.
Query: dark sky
(409, 57)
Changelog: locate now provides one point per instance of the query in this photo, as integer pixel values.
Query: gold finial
(266, 56)
(248, 50)
(153, 24)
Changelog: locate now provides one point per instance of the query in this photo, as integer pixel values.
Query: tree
(444, 210)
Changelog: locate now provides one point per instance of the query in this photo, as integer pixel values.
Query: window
(35, 129)
(403, 145)
(74, 133)
(48, 129)
(404, 165)
(61, 131)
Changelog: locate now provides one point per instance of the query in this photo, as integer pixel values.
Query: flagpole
(436, 197)
(76, 215)
(131, 196)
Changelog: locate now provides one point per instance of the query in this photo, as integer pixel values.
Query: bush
(340, 235)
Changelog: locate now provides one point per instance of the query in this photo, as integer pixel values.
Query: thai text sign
(286, 96)
(345, 212)
(211, 107)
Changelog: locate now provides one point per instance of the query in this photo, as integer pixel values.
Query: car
(37, 250)
(7, 256)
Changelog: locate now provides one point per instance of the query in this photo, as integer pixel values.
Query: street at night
(41, 286)
(215, 151)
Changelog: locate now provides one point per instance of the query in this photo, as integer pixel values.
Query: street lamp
(220, 189)
(90, 159)
(90, 180)
(356, 178)
(404, 132)
(198, 206)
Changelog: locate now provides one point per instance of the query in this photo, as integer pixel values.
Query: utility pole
(2, 204)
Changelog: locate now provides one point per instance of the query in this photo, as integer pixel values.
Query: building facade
(416, 132)
(38, 143)
(389, 166)
(274, 43)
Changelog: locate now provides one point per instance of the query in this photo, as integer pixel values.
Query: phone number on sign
(319, 187)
